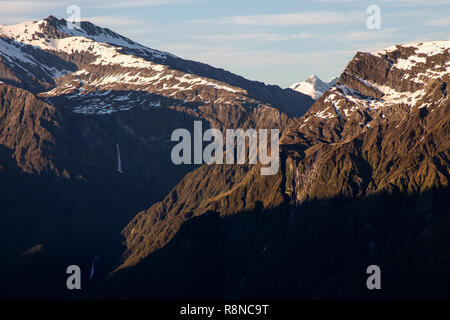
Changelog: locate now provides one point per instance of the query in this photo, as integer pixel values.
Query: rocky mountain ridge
(76, 64)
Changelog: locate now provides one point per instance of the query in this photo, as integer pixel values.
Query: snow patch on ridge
(429, 48)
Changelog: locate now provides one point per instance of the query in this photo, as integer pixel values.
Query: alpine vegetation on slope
(364, 181)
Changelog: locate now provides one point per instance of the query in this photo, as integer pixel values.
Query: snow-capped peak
(313, 86)
(42, 33)
(91, 62)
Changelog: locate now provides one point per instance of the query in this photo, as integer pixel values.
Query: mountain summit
(50, 58)
(313, 86)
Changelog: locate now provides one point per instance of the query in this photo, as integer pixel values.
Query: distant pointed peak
(313, 86)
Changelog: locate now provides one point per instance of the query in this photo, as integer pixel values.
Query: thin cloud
(291, 19)
(259, 37)
(304, 35)
(25, 7)
(14, 12)
(367, 35)
(419, 2)
(403, 2)
(144, 3)
(239, 37)
(439, 22)
(112, 21)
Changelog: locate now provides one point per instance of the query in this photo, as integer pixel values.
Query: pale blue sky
(278, 42)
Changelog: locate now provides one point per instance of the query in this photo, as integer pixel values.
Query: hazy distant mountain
(313, 86)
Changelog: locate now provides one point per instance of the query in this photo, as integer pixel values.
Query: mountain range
(86, 117)
(74, 102)
(313, 86)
